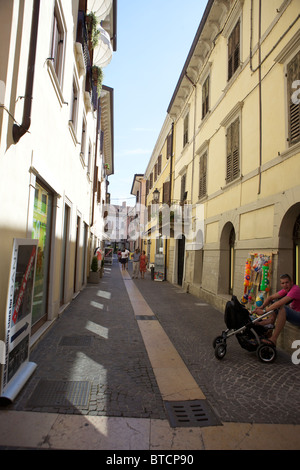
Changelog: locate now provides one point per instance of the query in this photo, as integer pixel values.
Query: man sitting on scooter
(289, 294)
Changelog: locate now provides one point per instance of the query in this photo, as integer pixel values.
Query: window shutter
(166, 192)
(205, 97)
(182, 189)
(203, 175)
(234, 50)
(169, 145)
(293, 73)
(159, 165)
(233, 152)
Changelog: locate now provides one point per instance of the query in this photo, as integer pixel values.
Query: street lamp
(156, 194)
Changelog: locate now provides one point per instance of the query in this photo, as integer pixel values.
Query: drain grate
(75, 341)
(145, 317)
(195, 413)
(60, 393)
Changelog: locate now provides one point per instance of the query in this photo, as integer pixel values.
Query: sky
(154, 38)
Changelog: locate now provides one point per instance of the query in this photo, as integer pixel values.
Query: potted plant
(97, 76)
(93, 31)
(94, 275)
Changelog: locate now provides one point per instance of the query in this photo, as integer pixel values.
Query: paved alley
(129, 348)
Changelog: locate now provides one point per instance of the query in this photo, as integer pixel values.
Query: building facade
(236, 152)
(56, 145)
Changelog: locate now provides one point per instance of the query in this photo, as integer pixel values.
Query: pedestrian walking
(136, 263)
(143, 264)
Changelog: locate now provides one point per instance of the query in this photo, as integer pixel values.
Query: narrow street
(112, 367)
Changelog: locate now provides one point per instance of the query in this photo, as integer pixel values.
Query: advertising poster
(17, 368)
(159, 268)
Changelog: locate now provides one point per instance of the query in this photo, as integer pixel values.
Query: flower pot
(93, 277)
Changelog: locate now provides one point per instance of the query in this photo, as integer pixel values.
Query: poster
(159, 268)
(18, 317)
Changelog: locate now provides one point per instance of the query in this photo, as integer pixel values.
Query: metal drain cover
(78, 341)
(195, 413)
(60, 393)
(145, 317)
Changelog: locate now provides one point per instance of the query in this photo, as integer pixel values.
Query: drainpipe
(19, 131)
(260, 99)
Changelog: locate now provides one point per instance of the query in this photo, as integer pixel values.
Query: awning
(103, 51)
(101, 8)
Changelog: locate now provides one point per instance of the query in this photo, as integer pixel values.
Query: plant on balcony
(97, 75)
(94, 33)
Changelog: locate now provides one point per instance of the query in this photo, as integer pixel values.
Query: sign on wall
(17, 368)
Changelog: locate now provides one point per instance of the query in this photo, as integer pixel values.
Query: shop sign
(18, 315)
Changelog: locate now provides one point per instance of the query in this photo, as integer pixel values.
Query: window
(186, 130)
(234, 50)
(183, 193)
(205, 97)
(202, 175)
(293, 75)
(151, 180)
(169, 145)
(74, 104)
(159, 165)
(58, 43)
(233, 151)
(83, 140)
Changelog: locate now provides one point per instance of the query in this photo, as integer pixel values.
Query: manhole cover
(60, 393)
(194, 413)
(145, 317)
(79, 341)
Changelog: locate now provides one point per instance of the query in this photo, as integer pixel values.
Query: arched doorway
(296, 240)
(227, 259)
(289, 243)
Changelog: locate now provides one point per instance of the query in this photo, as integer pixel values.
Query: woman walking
(143, 264)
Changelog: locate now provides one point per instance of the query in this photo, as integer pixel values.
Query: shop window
(42, 217)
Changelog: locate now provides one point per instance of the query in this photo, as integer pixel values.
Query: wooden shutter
(186, 130)
(233, 152)
(205, 97)
(166, 192)
(293, 74)
(203, 175)
(159, 165)
(234, 50)
(169, 145)
(182, 189)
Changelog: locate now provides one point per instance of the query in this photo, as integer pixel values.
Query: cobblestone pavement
(110, 356)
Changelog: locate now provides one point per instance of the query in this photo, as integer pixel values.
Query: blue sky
(153, 40)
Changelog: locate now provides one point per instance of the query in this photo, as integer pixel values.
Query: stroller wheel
(217, 340)
(220, 350)
(266, 353)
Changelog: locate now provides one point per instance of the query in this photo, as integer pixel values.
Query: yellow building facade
(236, 151)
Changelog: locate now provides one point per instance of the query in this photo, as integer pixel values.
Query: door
(180, 258)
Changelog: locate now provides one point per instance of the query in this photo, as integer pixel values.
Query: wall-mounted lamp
(156, 194)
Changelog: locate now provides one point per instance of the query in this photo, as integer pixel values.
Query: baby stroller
(247, 331)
